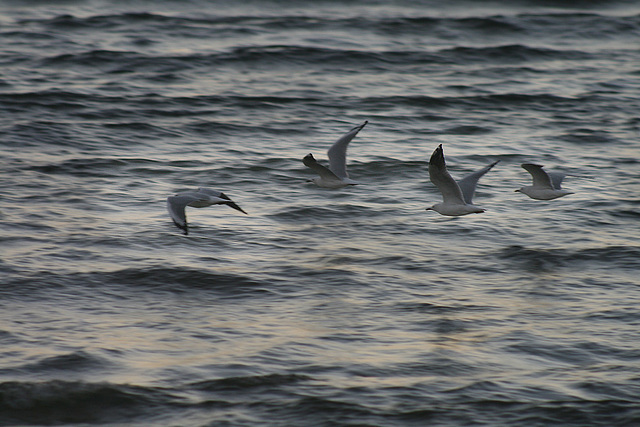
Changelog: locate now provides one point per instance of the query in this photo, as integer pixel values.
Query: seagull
(546, 185)
(457, 196)
(200, 198)
(335, 176)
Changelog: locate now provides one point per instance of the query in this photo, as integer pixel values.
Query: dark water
(320, 308)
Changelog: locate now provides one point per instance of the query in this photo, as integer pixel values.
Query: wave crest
(62, 402)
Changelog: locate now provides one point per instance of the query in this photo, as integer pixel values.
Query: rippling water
(321, 307)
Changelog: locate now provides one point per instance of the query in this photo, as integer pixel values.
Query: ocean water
(350, 307)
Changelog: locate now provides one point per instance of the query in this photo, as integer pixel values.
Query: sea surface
(349, 307)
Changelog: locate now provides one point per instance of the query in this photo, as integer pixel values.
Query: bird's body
(546, 185)
(451, 209)
(200, 198)
(457, 197)
(335, 176)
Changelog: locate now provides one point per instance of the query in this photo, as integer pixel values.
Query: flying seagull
(546, 185)
(335, 176)
(457, 197)
(200, 198)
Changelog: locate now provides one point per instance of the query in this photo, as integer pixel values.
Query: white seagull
(335, 176)
(546, 185)
(200, 198)
(457, 197)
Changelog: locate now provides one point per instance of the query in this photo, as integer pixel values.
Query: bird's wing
(210, 192)
(440, 177)
(219, 198)
(324, 172)
(468, 183)
(556, 179)
(176, 206)
(231, 203)
(338, 152)
(540, 177)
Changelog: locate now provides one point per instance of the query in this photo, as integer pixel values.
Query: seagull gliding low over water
(200, 198)
(546, 185)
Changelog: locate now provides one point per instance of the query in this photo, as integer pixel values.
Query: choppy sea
(350, 307)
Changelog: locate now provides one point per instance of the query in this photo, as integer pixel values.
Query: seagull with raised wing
(546, 185)
(200, 198)
(457, 197)
(335, 176)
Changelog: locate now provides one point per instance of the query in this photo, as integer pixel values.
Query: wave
(68, 21)
(122, 108)
(79, 361)
(246, 383)
(313, 214)
(91, 167)
(627, 257)
(115, 113)
(251, 23)
(285, 398)
(185, 280)
(496, 102)
(513, 53)
(150, 279)
(288, 54)
(66, 402)
(588, 136)
(278, 56)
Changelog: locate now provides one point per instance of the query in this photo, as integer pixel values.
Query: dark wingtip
(359, 127)
(309, 160)
(438, 156)
(236, 207)
(184, 228)
(493, 164)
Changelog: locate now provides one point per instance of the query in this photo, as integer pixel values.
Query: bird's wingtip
(491, 165)
(184, 228)
(438, 156)
(233, 205)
